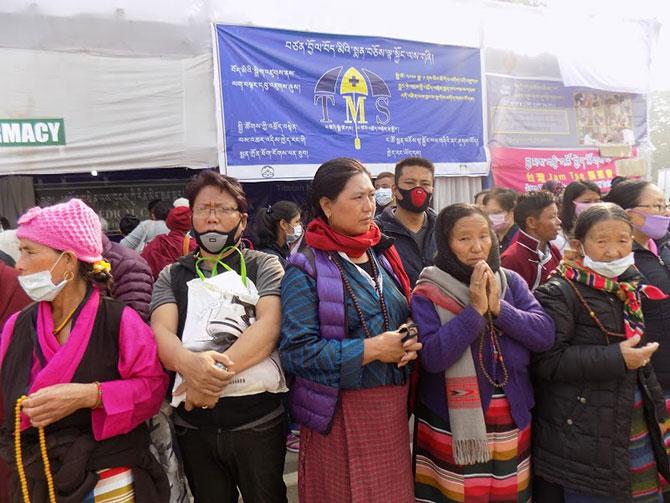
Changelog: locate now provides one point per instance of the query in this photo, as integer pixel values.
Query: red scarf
(321, 236)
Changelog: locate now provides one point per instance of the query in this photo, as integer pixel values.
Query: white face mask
(609, 269)
(39, 287)
(383, 196)
(295, 235)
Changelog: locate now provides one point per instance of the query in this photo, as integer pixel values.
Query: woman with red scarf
(345, 339)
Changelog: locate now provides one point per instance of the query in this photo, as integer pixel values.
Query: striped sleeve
(304, 353)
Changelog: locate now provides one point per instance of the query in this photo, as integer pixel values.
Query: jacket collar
(392, 225)
(528, 241)
(638, 248)
(533, 246)
(509, 235)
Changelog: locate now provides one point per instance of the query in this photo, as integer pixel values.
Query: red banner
(525, 170)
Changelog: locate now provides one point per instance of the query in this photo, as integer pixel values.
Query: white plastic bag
(220, 309)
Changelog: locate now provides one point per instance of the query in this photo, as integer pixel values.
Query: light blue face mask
(611, 269)
(383, 196)
(295, 235)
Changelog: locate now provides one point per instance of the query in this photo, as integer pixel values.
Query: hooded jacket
(165, 249)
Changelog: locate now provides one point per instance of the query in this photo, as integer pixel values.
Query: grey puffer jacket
(133, 282)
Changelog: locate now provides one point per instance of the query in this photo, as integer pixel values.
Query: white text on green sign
(31, 132)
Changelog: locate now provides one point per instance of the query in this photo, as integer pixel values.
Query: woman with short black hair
(596, 432)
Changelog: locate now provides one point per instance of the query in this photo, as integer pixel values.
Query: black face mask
(416, 200)
(214, 241)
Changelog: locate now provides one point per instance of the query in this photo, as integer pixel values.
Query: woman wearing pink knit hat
(88, 366)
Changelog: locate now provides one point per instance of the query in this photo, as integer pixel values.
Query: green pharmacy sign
(31, 132)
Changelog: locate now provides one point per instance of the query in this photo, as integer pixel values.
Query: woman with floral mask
(277, 228)
(597, 425)
(80, 365)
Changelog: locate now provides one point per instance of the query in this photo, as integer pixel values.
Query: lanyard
(217, 261)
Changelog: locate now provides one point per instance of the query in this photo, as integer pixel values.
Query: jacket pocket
(579, 428)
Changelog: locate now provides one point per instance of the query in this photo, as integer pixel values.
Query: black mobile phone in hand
(409, 331)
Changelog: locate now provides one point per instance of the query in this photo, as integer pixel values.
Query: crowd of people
(525, 334)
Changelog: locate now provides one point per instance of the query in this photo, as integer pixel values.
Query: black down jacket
(414, 258)
(584, 396)
(656, 271)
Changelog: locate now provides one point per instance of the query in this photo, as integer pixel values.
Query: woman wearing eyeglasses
(646, 205)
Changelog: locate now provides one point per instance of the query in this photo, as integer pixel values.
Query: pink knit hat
(70, 226)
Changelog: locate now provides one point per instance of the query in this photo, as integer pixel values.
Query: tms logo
(354, 87)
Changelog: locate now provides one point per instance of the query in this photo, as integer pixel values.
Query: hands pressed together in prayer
(484, 292)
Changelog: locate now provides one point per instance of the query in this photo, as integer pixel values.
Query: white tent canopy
(133, 80)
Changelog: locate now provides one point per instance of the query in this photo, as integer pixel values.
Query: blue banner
(293, 100)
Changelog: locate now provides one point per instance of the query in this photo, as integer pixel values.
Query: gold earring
(68, 276)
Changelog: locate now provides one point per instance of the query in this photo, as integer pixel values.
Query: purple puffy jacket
(133, 282)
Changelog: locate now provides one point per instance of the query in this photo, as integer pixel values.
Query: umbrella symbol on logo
(354, 87)
(354, 83)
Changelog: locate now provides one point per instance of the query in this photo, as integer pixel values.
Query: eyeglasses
(658, 207)
(219, 211)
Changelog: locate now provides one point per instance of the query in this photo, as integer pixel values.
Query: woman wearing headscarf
(344, 304)
(478, 324)
(596, 432)
(79, 365)
(165, 249)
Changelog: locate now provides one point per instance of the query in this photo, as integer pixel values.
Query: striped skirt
(365, 457)
(666, 425)
(114, 486)
(506, 478)
(646, 485)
